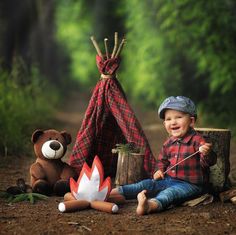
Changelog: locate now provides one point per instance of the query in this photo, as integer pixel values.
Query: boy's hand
(158, 175)
(205, 148)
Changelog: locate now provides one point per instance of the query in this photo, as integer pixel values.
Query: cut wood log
(233, 200)
(204, 199)
(227, 195)
(220, 139)
(129, 168)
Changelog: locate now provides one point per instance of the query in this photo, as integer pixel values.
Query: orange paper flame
(90, 185)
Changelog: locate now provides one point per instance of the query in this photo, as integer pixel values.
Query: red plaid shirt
(195, 169)
(109, 120)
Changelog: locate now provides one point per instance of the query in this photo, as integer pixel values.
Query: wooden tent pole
(120, 48)
(115, 45)
(106, 47)
(96, 46)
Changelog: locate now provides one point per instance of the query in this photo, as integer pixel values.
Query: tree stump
(220, 139)
(129, 168)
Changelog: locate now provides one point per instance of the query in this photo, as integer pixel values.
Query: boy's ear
(193, 120)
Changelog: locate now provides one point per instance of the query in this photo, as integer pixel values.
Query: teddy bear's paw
(61, 187)
(42, 187)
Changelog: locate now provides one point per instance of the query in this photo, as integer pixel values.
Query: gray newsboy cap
(179, 103)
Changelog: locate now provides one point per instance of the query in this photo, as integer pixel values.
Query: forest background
(182, 47)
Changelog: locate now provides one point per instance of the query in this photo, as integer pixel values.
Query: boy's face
(177, 123)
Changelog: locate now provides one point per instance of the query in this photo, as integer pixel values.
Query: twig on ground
(86, 228)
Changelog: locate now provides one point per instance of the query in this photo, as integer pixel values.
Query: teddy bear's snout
(54, 145)
(52, 149)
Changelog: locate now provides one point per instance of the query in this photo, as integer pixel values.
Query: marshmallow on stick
(90, 190)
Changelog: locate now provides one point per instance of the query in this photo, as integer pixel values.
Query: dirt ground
(43, 217)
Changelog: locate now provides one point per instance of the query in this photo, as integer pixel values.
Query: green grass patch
(23, 107)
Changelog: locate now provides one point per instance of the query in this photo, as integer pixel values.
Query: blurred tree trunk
(106, 19)
(16, 20)
(27, 32)
(44, 46)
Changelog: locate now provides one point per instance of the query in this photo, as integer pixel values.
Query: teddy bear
(49, 174)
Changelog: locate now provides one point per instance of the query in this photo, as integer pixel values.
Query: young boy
(183, 181)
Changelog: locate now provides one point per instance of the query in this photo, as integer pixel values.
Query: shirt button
(173, 171)
(176, 156)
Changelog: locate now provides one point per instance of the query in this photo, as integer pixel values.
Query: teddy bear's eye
(56, 138)
(50, 138)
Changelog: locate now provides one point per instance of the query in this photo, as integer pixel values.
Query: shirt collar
(185, 139)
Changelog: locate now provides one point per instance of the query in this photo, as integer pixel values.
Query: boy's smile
(177, 123)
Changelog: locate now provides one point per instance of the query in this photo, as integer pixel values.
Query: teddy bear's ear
(66, 136)
(36, 135)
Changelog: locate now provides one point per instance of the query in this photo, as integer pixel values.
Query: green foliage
(127, 148)
(23, 108)
(31, 197)
(203, 31)
(142, 54)
(153, 66)
(73, 20)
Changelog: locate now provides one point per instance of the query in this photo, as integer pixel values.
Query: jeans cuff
(160, 207)
(120, 190)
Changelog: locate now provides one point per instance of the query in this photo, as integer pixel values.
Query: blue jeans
(165, 192)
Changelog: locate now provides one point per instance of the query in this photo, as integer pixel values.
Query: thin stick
(96, 46)
(181, 161)
(106, 48)
(120, 47)
(115, 45)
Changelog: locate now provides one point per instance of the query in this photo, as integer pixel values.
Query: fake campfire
(90, 185)
(90, 191)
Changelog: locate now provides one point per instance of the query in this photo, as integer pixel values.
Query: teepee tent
(109, 120)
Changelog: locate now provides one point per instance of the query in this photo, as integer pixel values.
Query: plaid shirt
(109, 120)
(195, 169)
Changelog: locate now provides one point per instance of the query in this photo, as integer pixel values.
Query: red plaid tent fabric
(109, 120)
